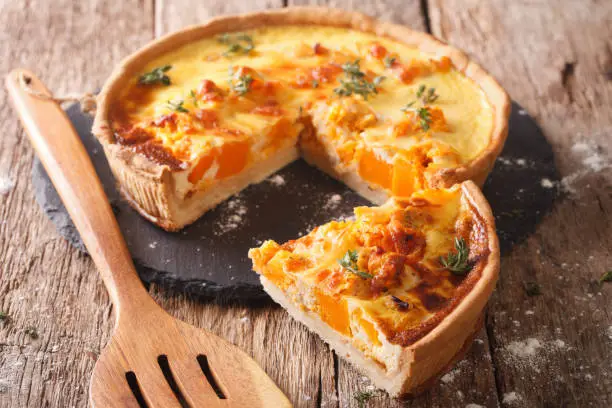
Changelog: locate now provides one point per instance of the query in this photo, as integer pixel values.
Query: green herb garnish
(389, 61)
(32, 332)
(194, 98)
(606, 277)
(421, 113)
(457, 262)
(242, 85)
(238, 43)
(3, 316)
(315, 83)
(355, 82)
(349, 262)
(427, 95)
(177, 106)
(532, 288)
(157, 76)
(364, 396)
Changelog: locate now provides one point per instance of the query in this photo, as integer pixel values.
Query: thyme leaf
(349, 262)
(389, 61)
(364, 396)
(242, 85)
(427, 95)
(355, 82)
(238, 44)
(156, 76)
(177, 106)
(457, 262)
(606, 277)
(422, 114)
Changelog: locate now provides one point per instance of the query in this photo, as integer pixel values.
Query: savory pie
(198, 115)
(399, 290)
(395, 114)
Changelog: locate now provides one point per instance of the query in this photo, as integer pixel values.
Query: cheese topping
(385, 274)
(215, 106)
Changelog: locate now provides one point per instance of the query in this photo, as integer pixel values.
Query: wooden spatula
(152, 360)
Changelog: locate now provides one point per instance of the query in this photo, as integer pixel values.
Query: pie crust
(150, 187)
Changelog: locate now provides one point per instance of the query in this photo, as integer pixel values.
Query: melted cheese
(296, 69)
(399, 246)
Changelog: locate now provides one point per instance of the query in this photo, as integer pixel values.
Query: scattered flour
(546, 183)
(450, 376)
(525, 348)
(6, 184)
(153, 245)
(592, 160)
(511, 397)
(531, 352)
(333, 201)
(474, 406)
(609, 332)
(232, 217)
(277, 180)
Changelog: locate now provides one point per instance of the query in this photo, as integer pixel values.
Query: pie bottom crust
(155, 198)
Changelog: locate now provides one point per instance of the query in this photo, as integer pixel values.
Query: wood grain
(44, 282)
(554, 60)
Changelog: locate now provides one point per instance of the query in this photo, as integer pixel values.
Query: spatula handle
(61, 152)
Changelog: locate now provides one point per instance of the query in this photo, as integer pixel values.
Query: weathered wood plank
(297, 361)
(553, 349)
(467, 387)
(44, 282)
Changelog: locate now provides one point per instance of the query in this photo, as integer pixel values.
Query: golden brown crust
(138, 172)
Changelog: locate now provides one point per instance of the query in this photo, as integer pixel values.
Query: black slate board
(209, 258)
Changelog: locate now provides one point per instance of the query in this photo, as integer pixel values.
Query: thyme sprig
(177, 106)
(349, 262)
(242, 85)
(362, 397)
(427, 95)
(156, 76)
(355, 82)
(238, 44)
(422, 113)
(606, 277)
(457, 262)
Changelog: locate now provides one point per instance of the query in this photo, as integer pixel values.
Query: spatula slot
(135, 387)
(210, 376)
(165, 367)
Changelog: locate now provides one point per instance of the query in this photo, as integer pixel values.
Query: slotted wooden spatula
(152, 360)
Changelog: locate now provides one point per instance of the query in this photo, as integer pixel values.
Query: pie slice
(198, 115)
(398, 291)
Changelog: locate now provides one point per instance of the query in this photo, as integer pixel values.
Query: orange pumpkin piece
(406, 178)
(375, 170)
(200, 169)
(334, 312)
(233, 158)
(370, 331)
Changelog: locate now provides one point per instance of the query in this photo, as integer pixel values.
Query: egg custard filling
(221, 112)
(374, 285)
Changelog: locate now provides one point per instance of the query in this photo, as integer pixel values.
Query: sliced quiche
(407, 121)
(198, 115)
(399, 290)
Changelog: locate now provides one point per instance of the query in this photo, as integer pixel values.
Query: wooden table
(552, 350)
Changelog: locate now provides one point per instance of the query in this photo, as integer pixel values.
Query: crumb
(333, 201)
(153, 245)
(546, 183)
(510, 397)
(277, 180)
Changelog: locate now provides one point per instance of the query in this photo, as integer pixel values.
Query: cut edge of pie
(421, 354)
(150, 187)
